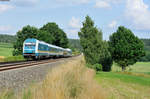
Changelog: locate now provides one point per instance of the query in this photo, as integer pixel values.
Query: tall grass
(2, 58)
(71, 80)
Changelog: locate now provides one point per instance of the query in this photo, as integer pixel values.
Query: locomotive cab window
(29, 46)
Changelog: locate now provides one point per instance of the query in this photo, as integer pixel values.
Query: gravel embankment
(18, 79)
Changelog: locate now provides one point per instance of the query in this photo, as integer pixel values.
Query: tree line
(75, 45)
(146, 58)
(7, 38)
(123, 47)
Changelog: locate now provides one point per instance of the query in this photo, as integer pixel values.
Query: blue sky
(69, 15)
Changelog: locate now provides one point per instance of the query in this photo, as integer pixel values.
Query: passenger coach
(35, 49)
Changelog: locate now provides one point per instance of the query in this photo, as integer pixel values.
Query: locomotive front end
(29, 48)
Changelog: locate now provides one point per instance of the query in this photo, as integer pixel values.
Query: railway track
(16, 65)
(20, 64)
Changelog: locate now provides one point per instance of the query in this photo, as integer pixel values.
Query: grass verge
(12, 59)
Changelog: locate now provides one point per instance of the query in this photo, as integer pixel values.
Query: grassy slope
(127, 85)
(6, 49)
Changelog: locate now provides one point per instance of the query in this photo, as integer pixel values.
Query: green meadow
(134, 83)
(6, 53)
(6, 49)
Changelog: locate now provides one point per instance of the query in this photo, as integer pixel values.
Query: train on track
(35, 49)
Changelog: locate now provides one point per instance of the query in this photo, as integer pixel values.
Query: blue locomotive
(35, 49)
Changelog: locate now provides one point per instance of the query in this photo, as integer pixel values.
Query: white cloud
(115, 1)
(138, 13)
(72, 2)
(5, 28)
(73, 28)
(113, 24)
(25, 2)
(107, 3)
(64, 3)
(75, 23)
(4, 7)
(102, 4)
(84, 1)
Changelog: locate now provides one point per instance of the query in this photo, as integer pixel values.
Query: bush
(98, 67)
(16, 52)
(89, 65)
(107, 63)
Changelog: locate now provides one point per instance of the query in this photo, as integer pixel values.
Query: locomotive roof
(54, 46)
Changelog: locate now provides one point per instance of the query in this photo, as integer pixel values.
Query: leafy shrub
(98, 67)
(89, 65)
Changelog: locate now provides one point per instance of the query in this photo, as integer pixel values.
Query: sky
(69, 15)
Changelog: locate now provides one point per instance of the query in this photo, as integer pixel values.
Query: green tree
(94, 48)
(45, 36)
(126, 49)
(26, 32)
(57, 35)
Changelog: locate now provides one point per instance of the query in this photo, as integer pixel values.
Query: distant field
(6, 49)
(139, 67)
(132, 84)
(6, 53)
